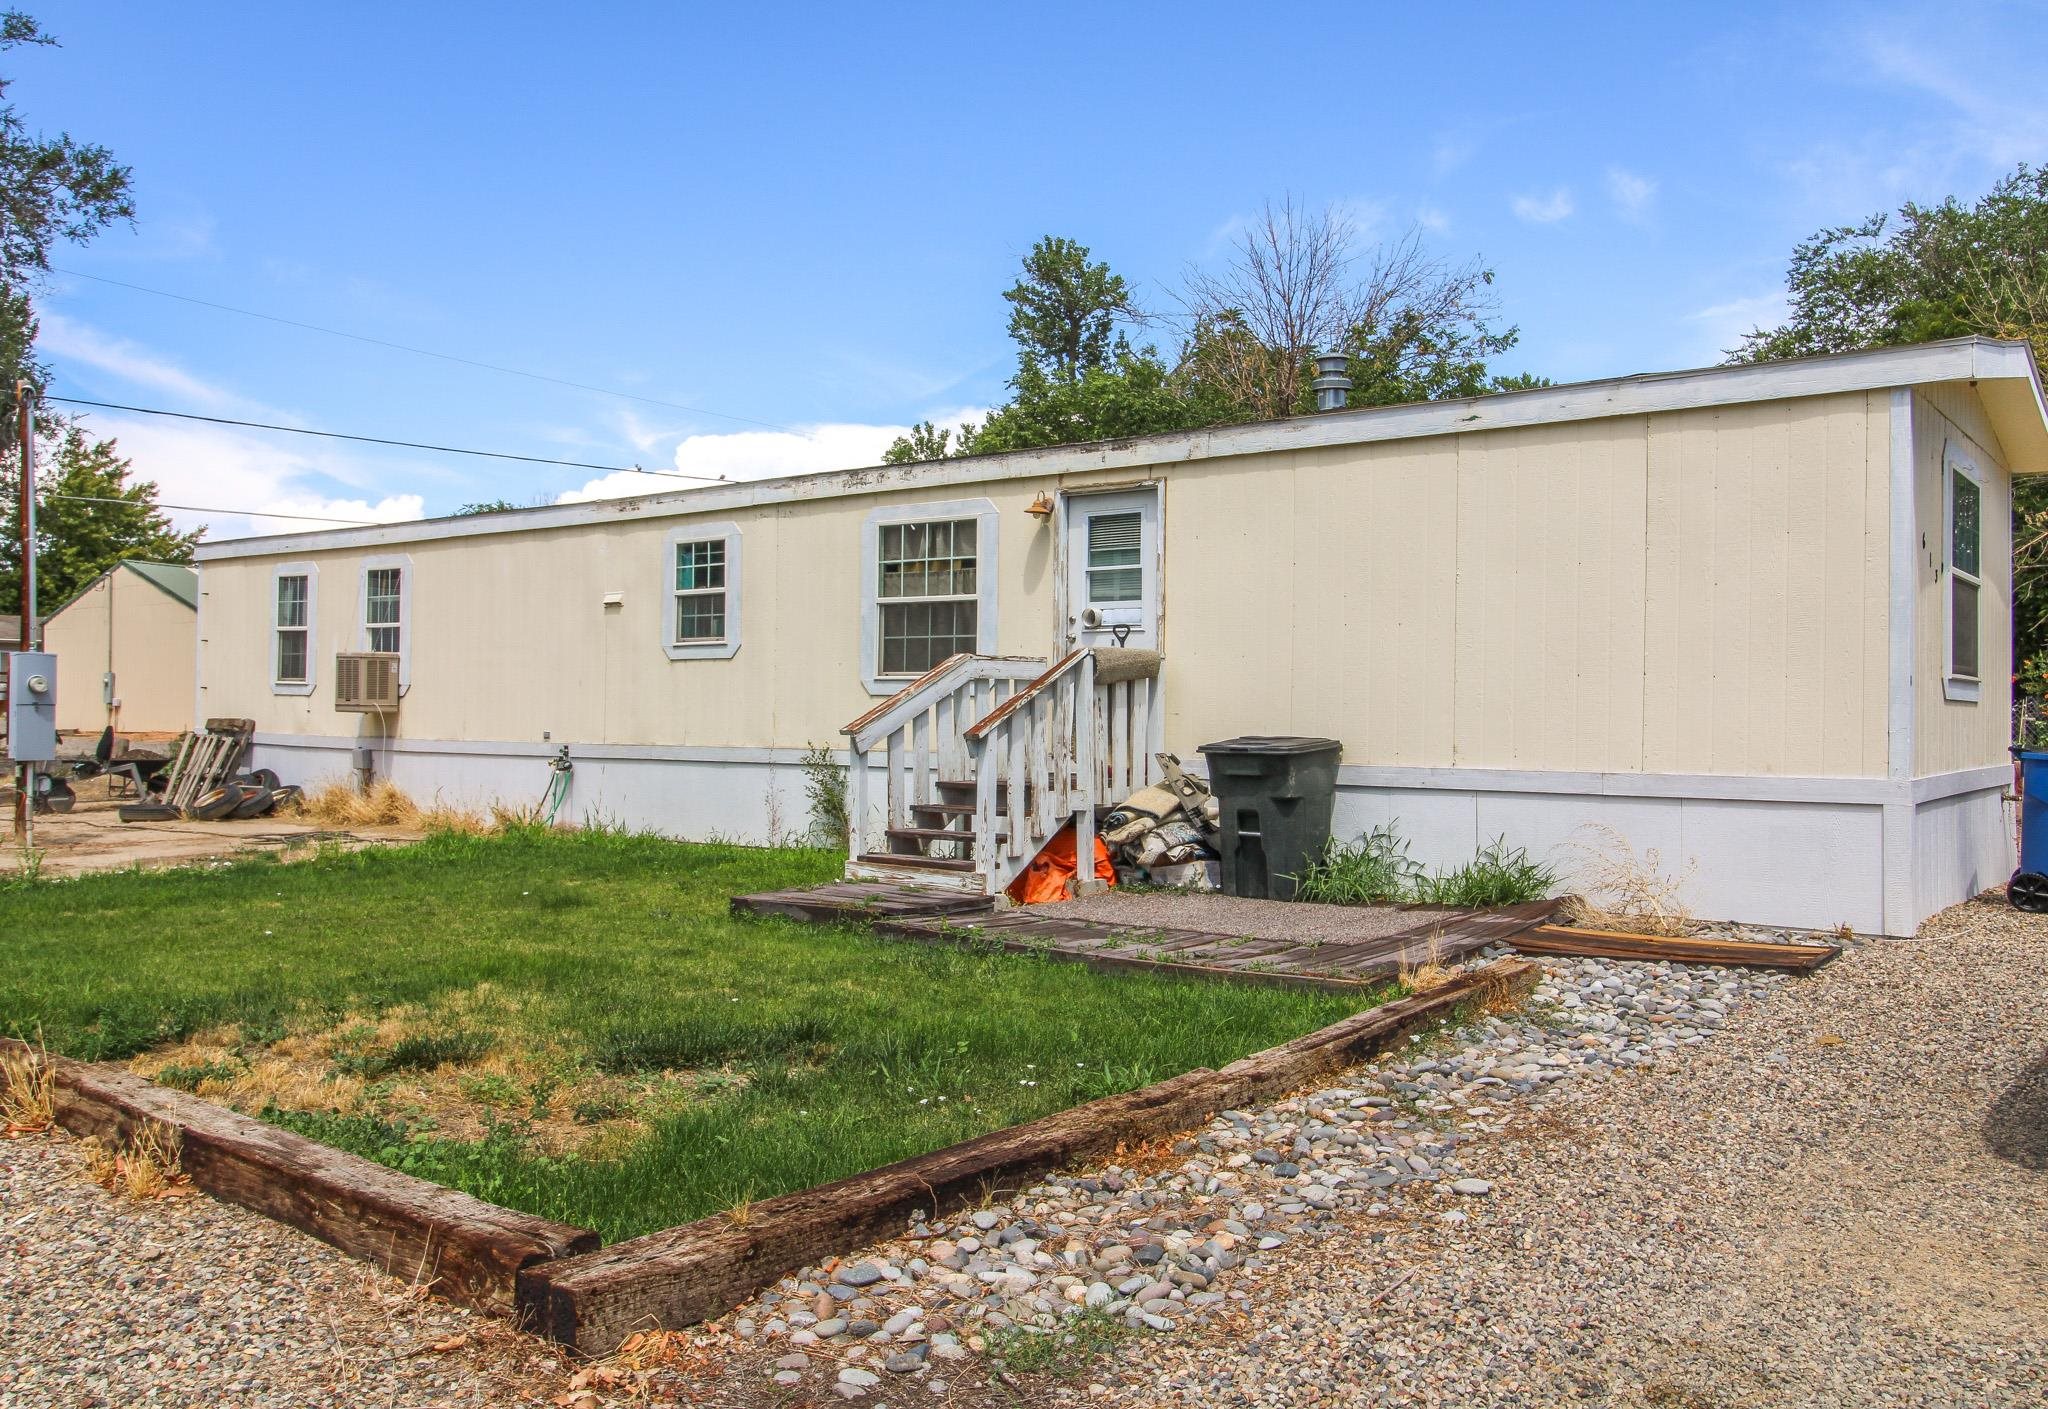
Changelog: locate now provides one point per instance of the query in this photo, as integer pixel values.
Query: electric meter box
(31, 707)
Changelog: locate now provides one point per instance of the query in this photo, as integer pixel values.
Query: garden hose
(559, 767)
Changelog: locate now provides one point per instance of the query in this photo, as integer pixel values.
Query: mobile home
(1757, 618)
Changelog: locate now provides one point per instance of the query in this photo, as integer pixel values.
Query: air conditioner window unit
(366, 682)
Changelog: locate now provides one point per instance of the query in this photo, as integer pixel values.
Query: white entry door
(1112, 569)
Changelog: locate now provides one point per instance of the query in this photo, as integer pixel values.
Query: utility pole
(25, 774)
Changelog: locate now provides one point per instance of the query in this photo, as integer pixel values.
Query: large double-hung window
(928, 588)
(928, 592)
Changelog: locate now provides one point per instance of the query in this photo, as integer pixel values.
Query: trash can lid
(1272, 744)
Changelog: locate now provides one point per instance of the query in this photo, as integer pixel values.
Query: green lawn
(571, 1023)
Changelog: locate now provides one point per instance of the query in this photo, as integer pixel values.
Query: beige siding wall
(1955, 734)
(1693, 592)
(1700, 592)
(509, 637)
(134, 628)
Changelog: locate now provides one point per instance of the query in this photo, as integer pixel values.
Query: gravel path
(1660, 1186)
(1233, 915)
(108, 1302)
(1808, 1211)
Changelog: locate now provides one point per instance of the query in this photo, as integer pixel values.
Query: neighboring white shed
(1755, 617)
(126, 648)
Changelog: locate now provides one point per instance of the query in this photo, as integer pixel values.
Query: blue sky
(804, 215)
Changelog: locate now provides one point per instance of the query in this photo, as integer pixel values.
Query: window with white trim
(293, 628)
(701, 577)
(927, 589)
(1965, 496)
(700, 592)
(383, 608)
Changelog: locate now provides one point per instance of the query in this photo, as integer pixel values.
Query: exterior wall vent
(366, 682)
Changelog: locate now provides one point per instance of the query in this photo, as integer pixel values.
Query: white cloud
(1433, 220)
(1544, 210)
(1723, 325)
(750, 455)
(1631, 193)
(80, 342)
(234, 476)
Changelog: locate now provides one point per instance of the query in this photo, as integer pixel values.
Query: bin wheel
(2028, 890)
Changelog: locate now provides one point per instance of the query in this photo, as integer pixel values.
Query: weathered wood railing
(1077, 737)
(921, 727)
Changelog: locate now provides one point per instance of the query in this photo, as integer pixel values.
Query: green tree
(1937, 271)
(1064, 311)
(51, 189)
(89, 516)
(928, 442)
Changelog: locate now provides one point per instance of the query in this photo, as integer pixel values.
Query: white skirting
(1807, 853)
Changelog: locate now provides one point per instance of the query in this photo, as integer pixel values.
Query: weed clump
(1377, 870)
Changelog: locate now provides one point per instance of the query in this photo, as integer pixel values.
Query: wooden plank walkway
(940, 917)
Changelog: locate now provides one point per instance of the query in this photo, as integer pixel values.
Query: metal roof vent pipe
(1332, 387)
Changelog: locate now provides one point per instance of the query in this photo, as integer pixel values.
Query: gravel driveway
(1837, 1195)
(1806, 1211)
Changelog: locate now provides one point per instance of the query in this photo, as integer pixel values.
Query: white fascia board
(1957, 360)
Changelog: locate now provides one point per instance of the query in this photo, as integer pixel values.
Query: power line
(379, 440)
(203, 509)
(416, 351)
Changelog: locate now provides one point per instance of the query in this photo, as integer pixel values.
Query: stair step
(936, 834)
(945, 809)
(918, 863)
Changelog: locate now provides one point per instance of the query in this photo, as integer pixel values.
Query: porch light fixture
(1041, 507)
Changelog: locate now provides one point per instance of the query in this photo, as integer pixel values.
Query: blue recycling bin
(2028, 888)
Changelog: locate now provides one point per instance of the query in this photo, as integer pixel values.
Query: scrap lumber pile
(205, 783)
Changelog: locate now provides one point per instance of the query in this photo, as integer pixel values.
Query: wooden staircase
(964, 740)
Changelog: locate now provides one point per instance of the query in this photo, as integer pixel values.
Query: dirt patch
(460, 1071)
(92, 837)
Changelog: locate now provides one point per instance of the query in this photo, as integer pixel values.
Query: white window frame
(701, 650)
(1964, 689)
(987, 524)
(311, 572)
(402, 562)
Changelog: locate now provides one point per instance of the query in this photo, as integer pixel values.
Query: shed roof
(2004, 372)
(177, 579)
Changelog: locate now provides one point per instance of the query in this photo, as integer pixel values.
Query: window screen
(928, 593)
(1114, 571)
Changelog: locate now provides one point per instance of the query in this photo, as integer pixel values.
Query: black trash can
(1276, 796)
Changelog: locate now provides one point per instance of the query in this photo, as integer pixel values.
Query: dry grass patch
(1621, 890)
(144, 1166)
(28, 1091)
(459, 1070)
(339, 803)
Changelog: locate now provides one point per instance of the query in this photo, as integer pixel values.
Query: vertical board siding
(1955, 734)
(1688, 592)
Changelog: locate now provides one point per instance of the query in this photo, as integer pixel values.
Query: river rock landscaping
(1155, 1244)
